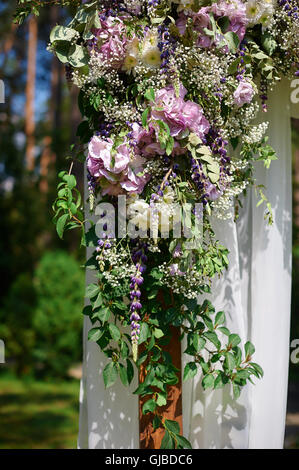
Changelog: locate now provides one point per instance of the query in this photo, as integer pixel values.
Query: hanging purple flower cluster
(139, 258)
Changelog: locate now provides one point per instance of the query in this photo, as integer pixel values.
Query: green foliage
(40, 320)
(67, 206)
(59, 284)
(27, 7)
(215, 351)
(38, 414)
(16, 318)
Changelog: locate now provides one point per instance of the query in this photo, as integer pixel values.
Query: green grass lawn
(38, 415)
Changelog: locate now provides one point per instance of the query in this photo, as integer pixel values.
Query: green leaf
(190, 370)
(124, 350)
(98, 302)
(249, 349)
(269, 43)
(211, 336)
(220, 318)
(92, 290)
(78, 56)
(114, 331)
(167, 441)
(221, 380)
(60, 225)
(234, 340)
(169, 146)
(172, 426)
(62, 33)
(161, 400)
(158, 333)
(144, 332)
(150, 94)
(149, 406)
(232, 41)
(257, 368)
(237, 391)
(208, 381)
(123, 374)
(130, 371)
(156, 422)
(183, 443)
(95, 334)
(145, 116)
(224, 330)
(87, 310)
(110, 374)
(103, 314)
(229, 362)
(62, 49)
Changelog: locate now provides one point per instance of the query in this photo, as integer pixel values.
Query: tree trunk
(48, 156)
(30, 92)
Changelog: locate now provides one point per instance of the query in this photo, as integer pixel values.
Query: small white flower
(253, 11)
(150, 54)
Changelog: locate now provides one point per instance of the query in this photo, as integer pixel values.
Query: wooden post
(150, 439)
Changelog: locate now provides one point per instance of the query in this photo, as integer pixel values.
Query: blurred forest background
(40, 318)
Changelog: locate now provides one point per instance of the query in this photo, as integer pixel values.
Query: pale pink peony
(243, 94)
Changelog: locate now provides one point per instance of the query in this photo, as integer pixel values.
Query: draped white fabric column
(255, 294)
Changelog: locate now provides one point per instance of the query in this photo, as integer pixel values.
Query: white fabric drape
(255, 294)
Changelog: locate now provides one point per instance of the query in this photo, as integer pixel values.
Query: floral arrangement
(169, 92)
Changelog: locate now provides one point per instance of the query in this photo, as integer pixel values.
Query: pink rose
(243, 94)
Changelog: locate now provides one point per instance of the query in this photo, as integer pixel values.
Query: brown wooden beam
(150, 439)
